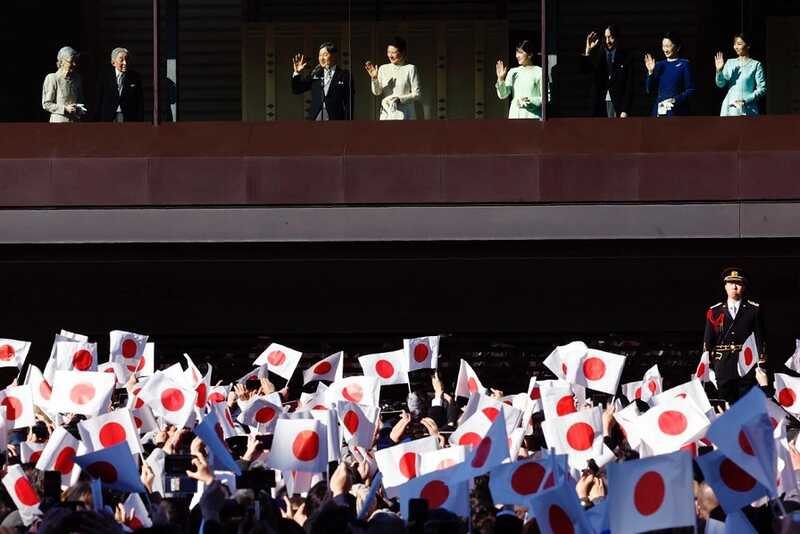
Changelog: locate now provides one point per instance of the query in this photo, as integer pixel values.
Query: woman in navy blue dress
(671, 79)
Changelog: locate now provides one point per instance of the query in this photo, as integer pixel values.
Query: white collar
(734, 303)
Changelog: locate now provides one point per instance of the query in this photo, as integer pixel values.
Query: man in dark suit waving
(119, 91)
(612, 74)
(331, 86)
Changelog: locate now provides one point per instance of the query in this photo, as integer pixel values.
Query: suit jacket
(618, 82)
(722, 329)
(338, 101)
(131, 100)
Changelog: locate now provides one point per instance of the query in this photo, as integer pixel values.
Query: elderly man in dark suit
(119, 92)
(331, 86)
(612, 74)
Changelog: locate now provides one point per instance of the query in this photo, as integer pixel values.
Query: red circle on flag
(82, 360)
(216, 397)
(638, 393)
(594, 368)
(138, 422)
(65, 461)
(748, 355)
(228, 418)
(560, 522)
(265, 414)
(565, 405)
(323, 368)
(35, 456)
(25, 492)
(384, 368)
(82, 393)
(744, 444)
(649, 492)
(7, 352)
(672, 422)
(536, 393)
(550, 482)
(112, 433)
(172, 399)
(350, 421)
(407, 464)
(564, 368)
(491, 413)
(786, 397)
(276, 357)
(141, 364)
(472, 385)
(354, 392)
(652, 386)
(691, 448)
(306, 446)
(134, 523)
(735, 477)
(104, 471)
(470, 439)
(45, 390)
(421, 352)
(14, 408)
(773, 422)
(129, 348)
(436, 493)
(201, 390)
(526, 478)
(482, 452)
(580, 436)
(701, 370)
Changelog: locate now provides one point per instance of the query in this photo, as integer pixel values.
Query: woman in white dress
(62, 93)
(522, 84)
(396, 82)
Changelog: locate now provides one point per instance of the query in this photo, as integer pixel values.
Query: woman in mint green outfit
(523, 84)
(744, 79)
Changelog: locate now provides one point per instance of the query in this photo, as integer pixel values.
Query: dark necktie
(610, 59)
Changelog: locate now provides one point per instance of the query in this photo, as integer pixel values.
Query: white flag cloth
(18, 402)
(491, 408)
(557, 401)
(280, 359)
(116, 369)
(651, 494)
(442, 459)
(535, 395)
(202, 389)
(516, 482)
(701, 373)
(109, 429)
(220, 458)
(40, 389)
(330, 422)
(671, 424)
(59, 454)
(299, 445)
(792, 363)
(732, 485)
(595, 369)
(358, 389)
(218, 394)
(30, 452)
(126, 348)
(22, 493)
(141, 517)
(147, 363)
(471, 431)
(192, 375)
(400, 463)
(557, 510)
(556, 361)
(13, 352)
(692, 390)
(468, 382)
(651, 383)
(76, 355)
(491, 451)
(262, 371)
(579, 435)
(632, 390)
(422, 352)
(261, 414)
(329, 369)
(83, 392)
(787, 392)
(168, 399)
(358, 423)
(388, 367)
(748, 356)
(114, 466)
(225, 421)
(439, 490)
(626, 418)
(144, 420)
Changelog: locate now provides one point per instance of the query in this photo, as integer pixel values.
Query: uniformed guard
(728, 325)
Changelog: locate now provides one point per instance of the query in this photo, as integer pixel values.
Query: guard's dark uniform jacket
(722, 329)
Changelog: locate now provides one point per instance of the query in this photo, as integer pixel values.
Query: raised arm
(503, 86)
(722, 77)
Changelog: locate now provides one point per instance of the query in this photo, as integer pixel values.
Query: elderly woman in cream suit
(62, 94)
(396, 82)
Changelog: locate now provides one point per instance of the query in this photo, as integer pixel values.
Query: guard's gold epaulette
(717, 304)
(753, 303)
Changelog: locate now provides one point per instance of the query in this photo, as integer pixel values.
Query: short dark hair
(399, 43)
(614, 29)
(674, 37)
(526, 46)
(330, 47)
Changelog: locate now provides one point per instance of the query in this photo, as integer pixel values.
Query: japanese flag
(596, 369)
(388, 367)
(168, 399)
(516, 482)
(13, 352)
(358, 423)
(126, 347)
(18, 402)
(491, 408)
(692, 390)
(144, 420)
(787, 392)
(40, 389)
(579, 435)
(224, 420)
(261, 414)
(535, 394)
(439, 490)
(330, 422)
(468, 382)
(83, 392)
(401, 462)
(191, 375)
(299, 445)
(632, 390)
(22, 493)
(626, 418)
(748, 356)
(259, 372)
(329, 369)
(471, 431)
(557, 510)
(651, 494)
(30, 452)
(422, 352)
(280, 360)
(59, 454)
(491, 450)
(732, 485)
(557, 401)
(218, 394)
(442, 459)
(792, 363)
(702, 373)
(141, 518)
(109, 429)
(219, 456)
(672, 424)
(651, 383)
(147, 363)
(202, 389)
(358, 389)
(116, 369)
(76, 355)
(114, 466)
(557, 360)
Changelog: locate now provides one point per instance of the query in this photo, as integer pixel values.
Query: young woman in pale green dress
(523, 84)
(743, 77)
